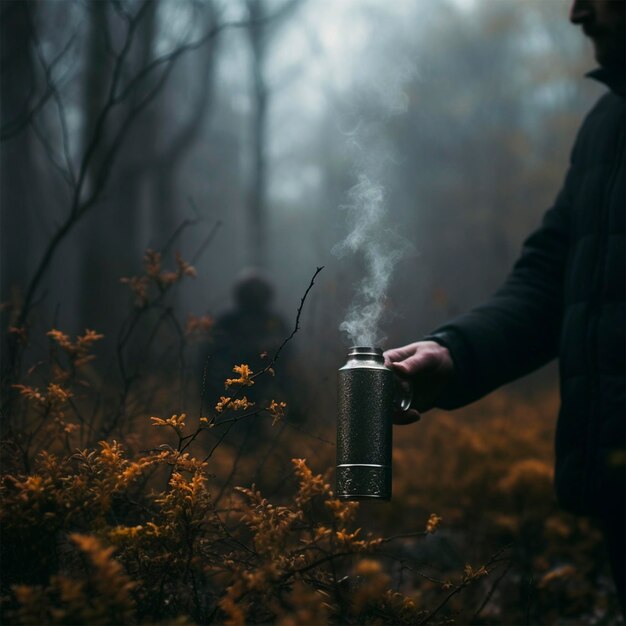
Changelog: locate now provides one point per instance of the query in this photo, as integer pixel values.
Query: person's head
(603, 22)
(253, 292)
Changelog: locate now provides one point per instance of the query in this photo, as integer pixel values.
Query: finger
(398, 354)
(401, 368)
(401, 418)
(409, 367)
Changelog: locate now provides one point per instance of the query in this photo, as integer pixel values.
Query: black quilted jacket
(565, 298)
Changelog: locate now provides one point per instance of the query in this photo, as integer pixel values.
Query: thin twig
(207, 241)
(417, 533)
(307, 433)
(466, 582)
(295, 329)
(491, 592)
(53, 87)
(50, 153)
(13, 127)
(233, 470)
(178, 231)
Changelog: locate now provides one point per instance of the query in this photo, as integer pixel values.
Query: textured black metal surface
(364, 430)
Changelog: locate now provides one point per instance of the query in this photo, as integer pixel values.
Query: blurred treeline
(233, 131)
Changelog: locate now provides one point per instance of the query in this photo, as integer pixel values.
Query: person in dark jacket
(251, 332)
(564, 298)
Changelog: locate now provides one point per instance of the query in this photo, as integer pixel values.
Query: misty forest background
(233, 131)
(253, 130)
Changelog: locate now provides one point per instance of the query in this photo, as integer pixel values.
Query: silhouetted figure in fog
(249, 333)
(251, 328)
(564, 298)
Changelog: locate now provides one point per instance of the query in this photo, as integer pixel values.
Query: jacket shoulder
(599, 126)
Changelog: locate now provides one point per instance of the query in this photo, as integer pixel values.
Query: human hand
(429, 368)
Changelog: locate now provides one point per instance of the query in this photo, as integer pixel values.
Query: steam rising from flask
(381, 249)
(369, 234)
(368, 391)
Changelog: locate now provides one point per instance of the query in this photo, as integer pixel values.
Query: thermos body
(366, 399)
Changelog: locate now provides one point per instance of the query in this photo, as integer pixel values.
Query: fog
(248, 130)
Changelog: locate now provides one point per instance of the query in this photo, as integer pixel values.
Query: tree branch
(295, 329)
(13, 127)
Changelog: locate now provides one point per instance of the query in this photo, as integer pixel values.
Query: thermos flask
(368, 396)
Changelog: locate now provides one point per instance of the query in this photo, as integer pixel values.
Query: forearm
(517, 330)
(490, 348)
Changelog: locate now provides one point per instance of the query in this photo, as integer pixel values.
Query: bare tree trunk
(18, 194)
(97, 74)
(257, 201)
(111, 239)
(165, 173)
(263, 25)
(132, 171)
